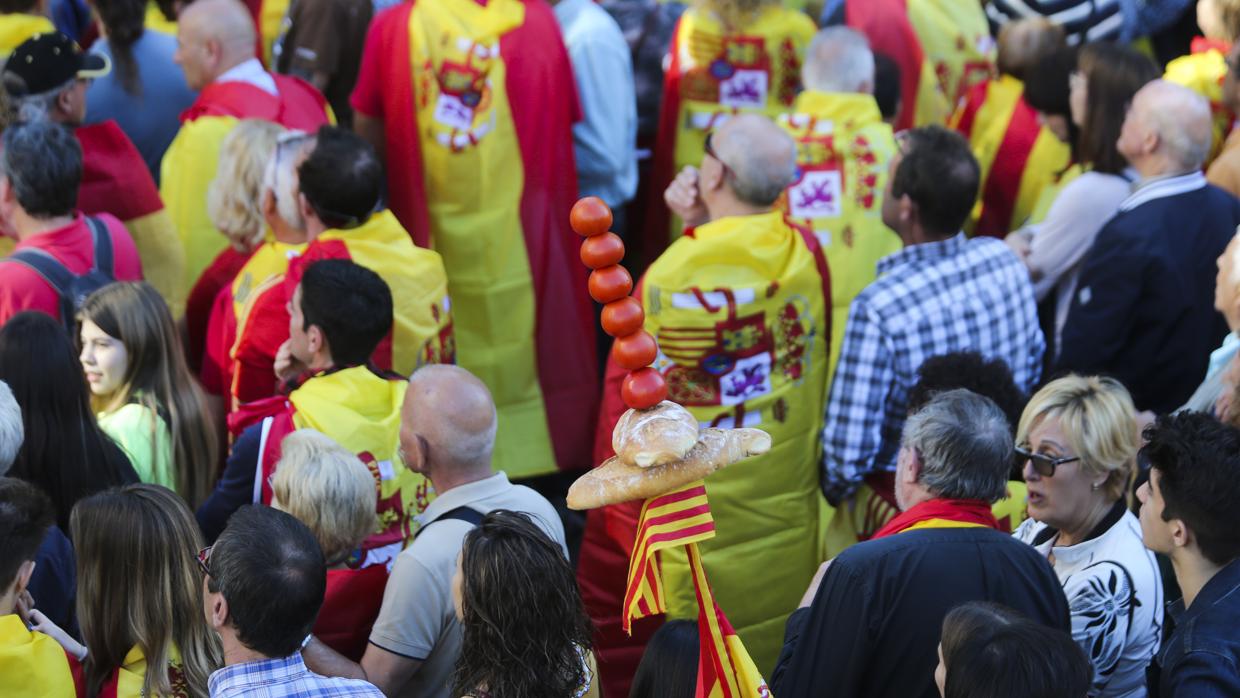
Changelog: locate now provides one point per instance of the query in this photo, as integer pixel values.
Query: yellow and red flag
(1203, 71)
(682, 518)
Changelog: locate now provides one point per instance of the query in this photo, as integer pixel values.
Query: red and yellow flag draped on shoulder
(1018, 156)
(191, 161)
(478, 102)
(943, 48)
(717, 71)
(1203, 71)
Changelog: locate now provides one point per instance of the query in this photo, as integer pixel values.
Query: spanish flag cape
(422, 326)
(741, 310)
(33, 664)
(113, 182)
(717, 71)
(843, 148)
(17, 27)
(943, 48)
(268, 261)
(677, 522)
(359, 410)
(1019, 157)
(127, 680)
(1203, 71)
(479, 102)
(190, 163)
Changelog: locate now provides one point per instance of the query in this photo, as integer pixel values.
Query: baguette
(616, 481)
(661, 434)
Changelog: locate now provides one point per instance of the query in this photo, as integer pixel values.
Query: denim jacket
(1201, 659)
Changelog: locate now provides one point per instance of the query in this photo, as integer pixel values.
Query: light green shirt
(131, 427)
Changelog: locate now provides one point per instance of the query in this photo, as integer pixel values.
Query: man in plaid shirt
(942, 293)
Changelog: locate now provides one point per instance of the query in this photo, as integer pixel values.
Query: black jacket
(873, 629)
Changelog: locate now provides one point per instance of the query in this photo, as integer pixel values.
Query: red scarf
(971, 512)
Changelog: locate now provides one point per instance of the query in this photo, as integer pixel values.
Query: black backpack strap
(473, 517)
(54, 273)
(103, 246)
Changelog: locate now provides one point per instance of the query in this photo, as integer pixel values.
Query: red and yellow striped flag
(682, 517)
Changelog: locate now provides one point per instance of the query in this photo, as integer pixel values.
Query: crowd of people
(298, 358)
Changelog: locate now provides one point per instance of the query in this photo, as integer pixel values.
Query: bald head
(213, 36)
(760, 155)
(452, 411)
(1167, 122)
(839, 60)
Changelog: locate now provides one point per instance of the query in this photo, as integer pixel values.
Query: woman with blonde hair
(327, 488)
(234, 204)
(145, 396)
(139, 596)
(1077, 443)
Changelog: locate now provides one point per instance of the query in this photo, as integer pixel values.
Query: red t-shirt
(350, 607)
(21, 288)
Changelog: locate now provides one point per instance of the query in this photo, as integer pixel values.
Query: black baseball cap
(47, 61)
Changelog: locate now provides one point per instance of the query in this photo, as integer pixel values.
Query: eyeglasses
(710, 150)
(204, 560)
(1043, 465)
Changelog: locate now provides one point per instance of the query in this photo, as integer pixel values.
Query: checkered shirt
(287, 677)
(929, 299)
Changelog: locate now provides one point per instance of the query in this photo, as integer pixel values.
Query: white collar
(1163, 187)
(251, 72)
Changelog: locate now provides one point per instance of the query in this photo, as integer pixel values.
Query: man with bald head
(216, 49)
(447, 434)
(1143, 309)
(740, 306)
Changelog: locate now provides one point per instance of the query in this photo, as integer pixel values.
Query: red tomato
(635, 350)
(590, 217)
(623, 317)
(602, 250)
(643, 388)
(610, 283)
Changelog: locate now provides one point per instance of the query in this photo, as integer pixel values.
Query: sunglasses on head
(1043, 464)
(204, 560)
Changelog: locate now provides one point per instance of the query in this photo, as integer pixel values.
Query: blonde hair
(1098, 419)
(234, 198)
(328, 489)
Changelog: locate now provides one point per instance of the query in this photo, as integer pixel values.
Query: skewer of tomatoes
(622, 318)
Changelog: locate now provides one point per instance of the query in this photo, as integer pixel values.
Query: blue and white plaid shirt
(286, 677)
(929, 299)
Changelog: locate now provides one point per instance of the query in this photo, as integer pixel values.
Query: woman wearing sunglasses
(1077, 442)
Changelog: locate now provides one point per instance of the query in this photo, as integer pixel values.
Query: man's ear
(1181, 535)
(912, 473)
(316, 341)
(218, 612)
(907, 210)
(24, 573)
(268, 205)
(303, 204)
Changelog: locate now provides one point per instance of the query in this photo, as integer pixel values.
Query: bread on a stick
(661, 434)
(616, 481)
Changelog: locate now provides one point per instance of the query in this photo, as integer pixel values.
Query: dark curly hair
(525, 629)
(1197, 459)
(969, 370)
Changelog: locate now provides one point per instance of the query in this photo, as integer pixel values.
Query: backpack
(73, 288)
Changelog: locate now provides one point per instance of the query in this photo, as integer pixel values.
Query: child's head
(25, 515)
(1219, 19)
(129, 342)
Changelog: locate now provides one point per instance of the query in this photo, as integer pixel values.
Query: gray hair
(762, 159)
(12, 429)
(839, 59)
(281, 179)
(42, 161)
(1183, 122)
(965, 445)
(33, 107)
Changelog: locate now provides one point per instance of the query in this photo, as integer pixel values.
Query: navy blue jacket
(1144, 305)
(1201, 659)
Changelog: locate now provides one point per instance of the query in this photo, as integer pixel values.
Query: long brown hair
(525, 631)
(139, 585)
(1113, 74)
(158, 378)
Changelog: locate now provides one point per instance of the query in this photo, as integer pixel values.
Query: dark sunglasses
(204, 559)
(1043, 465)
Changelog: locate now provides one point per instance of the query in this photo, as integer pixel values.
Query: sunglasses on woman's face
(1043, 464)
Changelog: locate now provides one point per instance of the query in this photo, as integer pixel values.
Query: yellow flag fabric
(474, 179)
(163, 260)
(958, 54)
(31, 663)
(1203, 71)
(15, 28)
(739, 313)
(156, 21)
(1051, 191)
(271, 16)
(843, 149)
(186, 172)
(755, 68)
(270, 259)
(129, 677)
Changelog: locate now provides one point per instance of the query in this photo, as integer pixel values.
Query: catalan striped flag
(682, 517)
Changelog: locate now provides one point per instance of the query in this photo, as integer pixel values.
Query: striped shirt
(930, 299)
(1095, 20)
